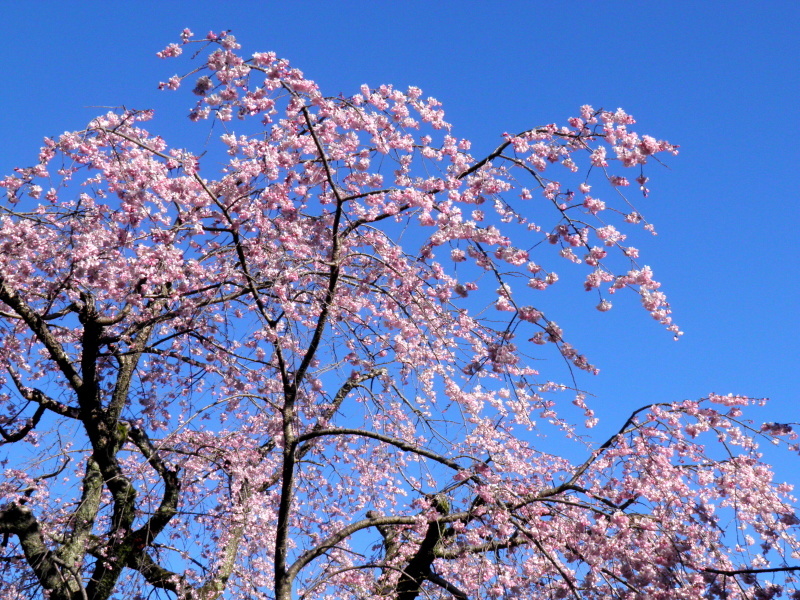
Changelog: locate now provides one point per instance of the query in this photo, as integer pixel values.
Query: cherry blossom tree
(308, 373)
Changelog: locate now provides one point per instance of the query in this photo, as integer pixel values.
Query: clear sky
(722, 79)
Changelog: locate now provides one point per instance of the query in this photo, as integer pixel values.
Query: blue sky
(722, 79)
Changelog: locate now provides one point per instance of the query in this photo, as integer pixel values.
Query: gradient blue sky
(722, 79)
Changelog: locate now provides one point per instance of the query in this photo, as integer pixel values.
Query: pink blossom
(170, 51)
(598, 157)
(604, 306)
(593, 205)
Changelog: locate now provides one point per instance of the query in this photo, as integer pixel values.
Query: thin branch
(38, 396)
(447, 586)
(334, 539)
(348, 386)
(744, 571)
(42, 332)
(398, 443)
(16, 436)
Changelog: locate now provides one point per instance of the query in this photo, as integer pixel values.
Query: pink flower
(593, 205)
(604, 306)
(598, 157)
(170, 51)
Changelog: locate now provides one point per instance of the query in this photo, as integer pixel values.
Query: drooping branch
(550, 558)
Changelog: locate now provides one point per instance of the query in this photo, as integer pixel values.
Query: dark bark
(58, 564)
(420, 567)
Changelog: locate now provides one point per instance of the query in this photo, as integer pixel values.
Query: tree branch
(83, 519)
(38, 396)
(9, 438)
(744, 571)
(19, 520)
(42, 333)
(168, 507)
(382, 438)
